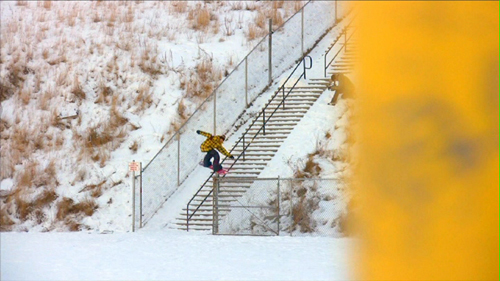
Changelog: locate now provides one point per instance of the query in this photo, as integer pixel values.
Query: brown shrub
(67, 207)
(96, 138)
(24, 179)
(178, 6)
(5, 221)
(277, 18)
(301, 214)
(182, 111)
(72, 225)
(47, 4)
(201, 19)
(252, 32)
(78, 92)
(46, 198)
(310, 168)
(134, 146)
(260, 20)
(5, 91)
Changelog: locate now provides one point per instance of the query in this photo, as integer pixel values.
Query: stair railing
(343, 34)
(245, 146)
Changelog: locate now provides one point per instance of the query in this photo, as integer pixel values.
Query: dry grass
(97, 138)
(297, 5)
(236, 5)
(45, 99)
(228, 26)
(25, 95)
(302, 212)
(261, 20)
(276, 16)
(104, 93)
(77, 90)
(200, 18)
(252, 32)
(67, 207)
(178, 6)
(134, 146)
(47, 5)
(5, 222)
(182, 112)
(26, 208)
(144, 97)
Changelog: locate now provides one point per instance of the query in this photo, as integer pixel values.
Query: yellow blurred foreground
(428, 140)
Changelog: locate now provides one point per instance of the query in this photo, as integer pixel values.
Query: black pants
(212, 154)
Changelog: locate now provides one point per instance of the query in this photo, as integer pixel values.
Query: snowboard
(220, 172)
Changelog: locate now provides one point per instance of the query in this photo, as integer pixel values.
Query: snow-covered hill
(86, 87)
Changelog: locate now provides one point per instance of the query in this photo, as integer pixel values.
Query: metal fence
(274, 206)
(161, 177)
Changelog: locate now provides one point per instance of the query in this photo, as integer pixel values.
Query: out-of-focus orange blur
(428, 140)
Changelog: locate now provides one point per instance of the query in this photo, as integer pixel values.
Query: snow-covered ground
(104, 55)
(170, 255)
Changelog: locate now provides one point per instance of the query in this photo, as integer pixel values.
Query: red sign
(133, 166)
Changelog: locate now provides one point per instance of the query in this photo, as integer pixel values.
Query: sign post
(133, 167)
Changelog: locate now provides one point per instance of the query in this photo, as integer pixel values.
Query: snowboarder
(210, 145)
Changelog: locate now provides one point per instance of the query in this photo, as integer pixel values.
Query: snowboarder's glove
(198, 132)
(232, 157)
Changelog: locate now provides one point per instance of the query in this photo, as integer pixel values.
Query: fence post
(264, 121)
(140, 195)
(279, 206)
(246, 81)
(133, 201)
(302, 31)
(215, 113)
(291, 205)
(243, 150)
(335, 11)
(284, 96)
(215, 204)
(178, 158)
(270, 50)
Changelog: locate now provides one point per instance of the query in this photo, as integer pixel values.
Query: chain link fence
(274, 206)
(180, 155)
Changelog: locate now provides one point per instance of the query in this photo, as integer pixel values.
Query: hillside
(88, 86)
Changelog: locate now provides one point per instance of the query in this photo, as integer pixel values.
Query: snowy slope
(123, 73)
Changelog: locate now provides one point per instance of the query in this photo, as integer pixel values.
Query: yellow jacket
(213, 142)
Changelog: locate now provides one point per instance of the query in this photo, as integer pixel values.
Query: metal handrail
(215, 90)
(344, 31)
(242, 138)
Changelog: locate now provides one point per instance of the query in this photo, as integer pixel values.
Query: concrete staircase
(263, 148)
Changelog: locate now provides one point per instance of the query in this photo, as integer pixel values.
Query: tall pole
(335, 11)
(302, 31)
(133, 201)
(270, 50)
(178, 158)
(246, 81)
(140, 195)
(215, 113)
(215, 202)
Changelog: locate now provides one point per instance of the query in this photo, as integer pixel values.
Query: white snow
(170, 255)
(105, 249)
